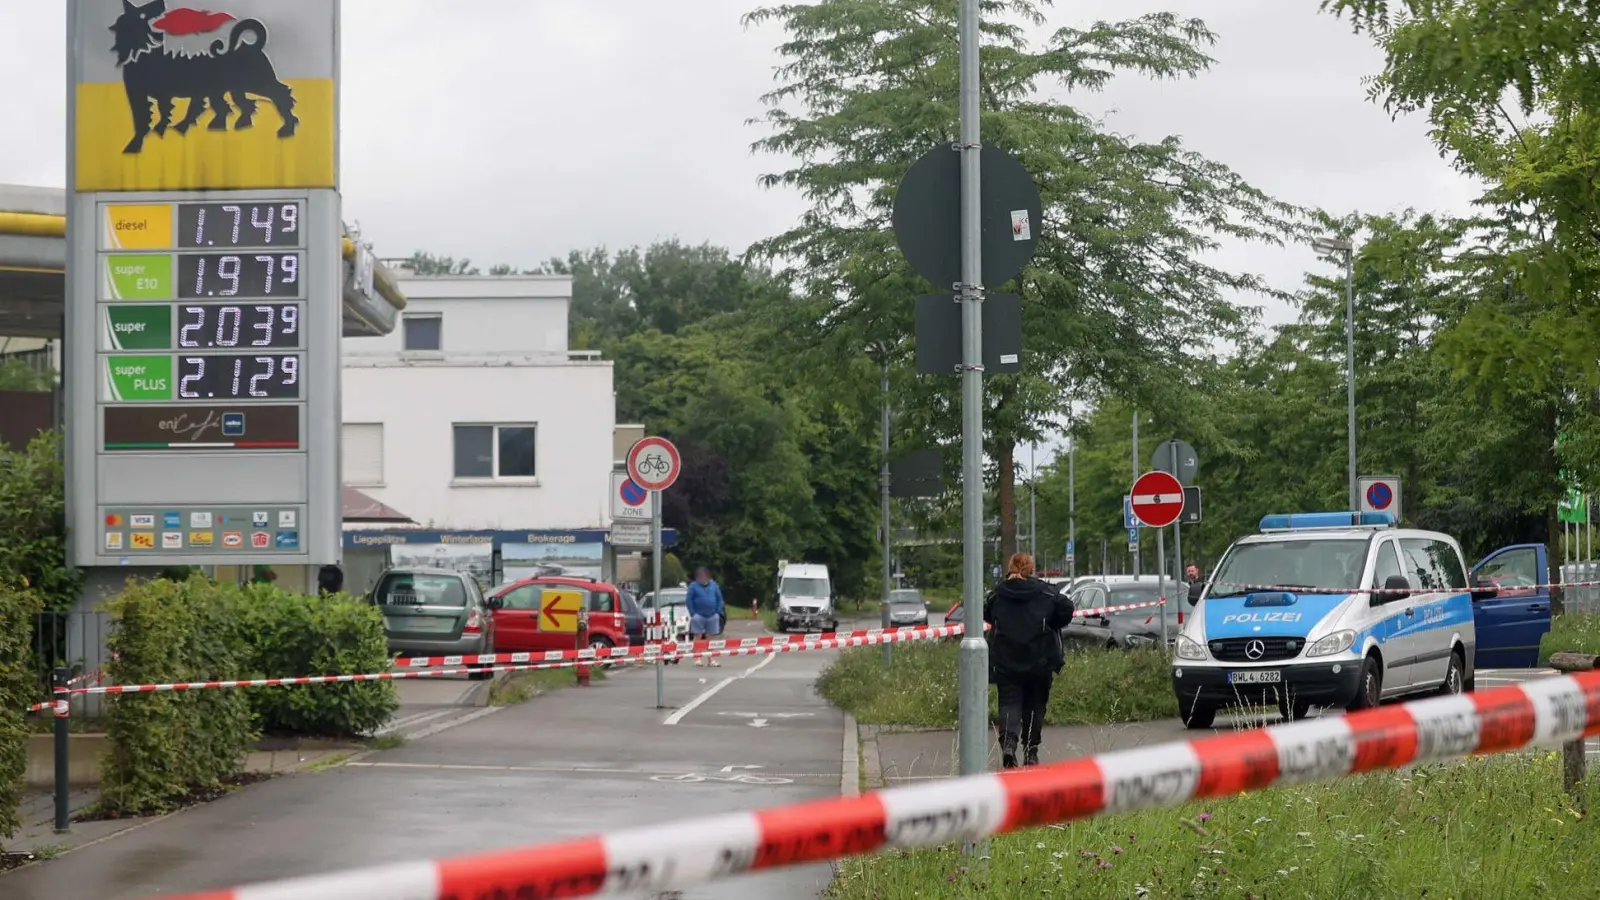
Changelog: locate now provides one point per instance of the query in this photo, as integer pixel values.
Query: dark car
(434, 612)
(1128, 628)
(633, 615)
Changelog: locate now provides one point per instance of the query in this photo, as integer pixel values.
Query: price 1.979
(229, 275)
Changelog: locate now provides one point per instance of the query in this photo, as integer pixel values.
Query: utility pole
(1134, 550)
(1072, 507)
(883, 491)
(973, 708)
(1033, 501)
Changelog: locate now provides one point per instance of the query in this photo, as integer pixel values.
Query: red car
(516, 615)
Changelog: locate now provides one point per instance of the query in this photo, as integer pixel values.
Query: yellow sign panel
(558, 610)
(137, 227)
(253, 146)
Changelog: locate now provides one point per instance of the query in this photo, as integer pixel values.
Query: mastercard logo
(113, 521)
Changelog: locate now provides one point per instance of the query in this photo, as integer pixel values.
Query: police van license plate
(1256, 676)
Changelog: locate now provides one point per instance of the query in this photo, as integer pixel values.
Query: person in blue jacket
(705, 609)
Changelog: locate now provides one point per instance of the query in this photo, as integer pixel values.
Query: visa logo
(1257, 617)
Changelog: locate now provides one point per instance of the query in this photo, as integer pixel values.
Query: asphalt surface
(573, 762)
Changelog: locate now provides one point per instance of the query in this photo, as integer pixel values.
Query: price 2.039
(242, 325)
(239, 377)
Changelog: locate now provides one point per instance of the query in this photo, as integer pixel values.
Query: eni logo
(194, 431)
(204, 58)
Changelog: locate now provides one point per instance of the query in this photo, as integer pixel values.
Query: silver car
(907, 608)
(434, 612)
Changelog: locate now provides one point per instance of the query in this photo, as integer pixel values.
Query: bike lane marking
(694, 704)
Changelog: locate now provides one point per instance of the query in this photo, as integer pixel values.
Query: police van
(1294, 616)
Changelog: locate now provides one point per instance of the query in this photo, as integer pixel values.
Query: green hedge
(293, 634)
(33, 529)
(165, 747)
(18, 691)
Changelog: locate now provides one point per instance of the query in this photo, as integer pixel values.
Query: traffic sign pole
(655, 565)
(973, 669)
(1161, 580)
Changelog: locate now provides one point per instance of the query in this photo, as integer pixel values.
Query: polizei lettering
(1257, 617)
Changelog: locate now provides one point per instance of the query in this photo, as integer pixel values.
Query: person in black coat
(1026, 616)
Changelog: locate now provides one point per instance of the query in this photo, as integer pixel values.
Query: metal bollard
(60, 681)
(583, 644)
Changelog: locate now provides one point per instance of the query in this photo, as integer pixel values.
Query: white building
(475, 415)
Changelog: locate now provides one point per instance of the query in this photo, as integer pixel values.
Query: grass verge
(1576, 632)
(1487, 828)
(521, 687)
(919, 688)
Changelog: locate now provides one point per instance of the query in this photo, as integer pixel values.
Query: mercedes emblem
(1255, 650)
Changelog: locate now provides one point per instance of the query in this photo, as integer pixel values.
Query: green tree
(1118, 299)
(424, 263)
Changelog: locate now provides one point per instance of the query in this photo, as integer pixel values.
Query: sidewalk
(38, 835)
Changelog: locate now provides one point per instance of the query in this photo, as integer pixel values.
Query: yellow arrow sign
(558, 610)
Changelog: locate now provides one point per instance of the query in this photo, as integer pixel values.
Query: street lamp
(1339, 245)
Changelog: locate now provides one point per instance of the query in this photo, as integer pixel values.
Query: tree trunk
(1006, 490)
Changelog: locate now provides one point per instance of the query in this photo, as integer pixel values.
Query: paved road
(567, 764)
(907, 756)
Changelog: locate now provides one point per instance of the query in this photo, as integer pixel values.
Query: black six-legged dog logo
(205, 58)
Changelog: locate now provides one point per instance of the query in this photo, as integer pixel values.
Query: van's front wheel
(1196, 714)
(1369, 691)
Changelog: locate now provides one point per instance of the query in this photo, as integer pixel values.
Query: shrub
(171, 745)
(18, 691)
(293, 634)
(33, 517)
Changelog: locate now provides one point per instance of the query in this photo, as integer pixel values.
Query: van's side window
(1449, 561)
(1385, 567)
(1422, 565)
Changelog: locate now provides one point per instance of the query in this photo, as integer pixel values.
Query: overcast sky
(513, 130)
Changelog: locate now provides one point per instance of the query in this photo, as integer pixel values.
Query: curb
(850, 769)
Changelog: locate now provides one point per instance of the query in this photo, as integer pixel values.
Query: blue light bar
(1289, 521)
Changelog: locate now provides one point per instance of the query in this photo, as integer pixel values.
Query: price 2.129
(238, 377)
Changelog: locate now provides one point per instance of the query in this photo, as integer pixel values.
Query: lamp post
(1339, 245)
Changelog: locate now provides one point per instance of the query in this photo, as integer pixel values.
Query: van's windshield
(804, 587)
(1323, 565)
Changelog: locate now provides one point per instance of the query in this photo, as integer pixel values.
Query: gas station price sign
(218, 327)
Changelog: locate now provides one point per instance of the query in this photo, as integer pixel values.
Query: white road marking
(445, 726)
(758, 723)
(694, 704)
(555, 770)
(415, 719)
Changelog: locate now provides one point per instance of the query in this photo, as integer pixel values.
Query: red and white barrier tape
(559, 659)
(677, 855)
(824, 644)
(666, 649)
(1304, 589)
(60, 708)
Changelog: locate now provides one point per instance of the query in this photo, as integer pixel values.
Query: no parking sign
(1380, 493)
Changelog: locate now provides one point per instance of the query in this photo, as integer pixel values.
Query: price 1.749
(236, 325)
(228, 275)
(229, 225)
(238, 377)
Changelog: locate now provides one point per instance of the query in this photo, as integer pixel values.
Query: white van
(805, 598)
(1344, 609)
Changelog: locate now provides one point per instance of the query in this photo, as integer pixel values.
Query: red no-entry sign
(1157, 499)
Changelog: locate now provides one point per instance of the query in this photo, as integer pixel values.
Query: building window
(363, 454)
(423, 332)
(495, 451)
